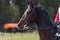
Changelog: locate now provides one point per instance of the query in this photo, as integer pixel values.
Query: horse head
(28, 16)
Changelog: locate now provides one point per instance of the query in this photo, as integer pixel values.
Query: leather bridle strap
(47, 28)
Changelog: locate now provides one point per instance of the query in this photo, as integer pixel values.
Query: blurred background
(12, 10)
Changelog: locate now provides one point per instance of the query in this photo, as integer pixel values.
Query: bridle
(47, 28)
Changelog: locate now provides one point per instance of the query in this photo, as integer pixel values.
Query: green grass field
(19, 36)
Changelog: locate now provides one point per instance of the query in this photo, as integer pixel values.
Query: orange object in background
(10, 25)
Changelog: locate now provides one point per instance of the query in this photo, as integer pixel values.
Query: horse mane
(42, 15)
(45, 12)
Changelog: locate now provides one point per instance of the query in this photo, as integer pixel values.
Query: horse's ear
(35, 2)
(28, 1)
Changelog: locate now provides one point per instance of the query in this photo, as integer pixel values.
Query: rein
(47, 28)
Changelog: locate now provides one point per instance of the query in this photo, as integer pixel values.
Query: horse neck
(43, 22)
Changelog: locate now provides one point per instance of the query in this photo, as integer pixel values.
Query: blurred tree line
(12, 10)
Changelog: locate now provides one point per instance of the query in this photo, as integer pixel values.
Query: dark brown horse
(37, 14)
